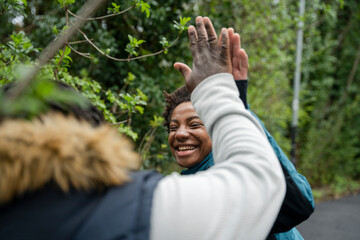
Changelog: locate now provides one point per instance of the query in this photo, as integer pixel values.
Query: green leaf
(55, 30)
(61, 3)
(127, 97)
(64, 29)
(184, 21)
(145, 7)
(140, 109)
(115, 8)
(67, 50)
(142, 95)
(157, 121)
(139, 42)
(147, 13)
(24, 2)
(164, 42)
(110, 96)
(128, 131)
(182, 25)
(64, 3)
(131, 49)
(131, 77)
(131, 39)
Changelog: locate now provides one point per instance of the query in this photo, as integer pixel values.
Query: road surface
(334, 220)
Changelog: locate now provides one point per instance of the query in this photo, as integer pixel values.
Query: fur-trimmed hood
(64, 150)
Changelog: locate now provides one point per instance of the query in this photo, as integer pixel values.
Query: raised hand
(239, 58)
(210, 55)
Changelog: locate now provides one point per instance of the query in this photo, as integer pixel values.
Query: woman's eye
(196, 125)
(172, 128)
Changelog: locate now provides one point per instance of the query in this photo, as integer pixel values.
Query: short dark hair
(172, 100)
(88, 113)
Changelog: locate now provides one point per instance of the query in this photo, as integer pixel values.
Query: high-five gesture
(210, 55)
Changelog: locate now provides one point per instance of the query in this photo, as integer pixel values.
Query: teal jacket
(298, 204)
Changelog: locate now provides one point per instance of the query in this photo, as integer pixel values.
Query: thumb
(184, 69)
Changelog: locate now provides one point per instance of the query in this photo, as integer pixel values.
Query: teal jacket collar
(201, 166)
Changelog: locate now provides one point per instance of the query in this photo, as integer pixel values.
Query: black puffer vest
(115, 213)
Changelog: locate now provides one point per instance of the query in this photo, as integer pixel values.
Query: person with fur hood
(67, 175)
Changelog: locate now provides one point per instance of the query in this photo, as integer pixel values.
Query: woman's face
(188, 139)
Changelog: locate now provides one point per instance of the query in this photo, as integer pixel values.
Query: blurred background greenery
(130, 92)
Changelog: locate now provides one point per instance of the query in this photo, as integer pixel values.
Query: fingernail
(191, 28)
(198, 19)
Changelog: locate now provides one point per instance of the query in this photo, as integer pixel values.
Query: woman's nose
(182, 134)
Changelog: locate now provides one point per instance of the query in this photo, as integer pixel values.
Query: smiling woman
(188, 139)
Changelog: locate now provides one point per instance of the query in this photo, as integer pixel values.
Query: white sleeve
(239, 197)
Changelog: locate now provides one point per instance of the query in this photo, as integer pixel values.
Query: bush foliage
(129, 91)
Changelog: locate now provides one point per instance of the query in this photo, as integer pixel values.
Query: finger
(244, 63)
(224, 47)
(211, 33)
(193, 42)
(201, 33)
(184, 69)
(231, 42)
(244, 59)
(240, 40)
(236, 45)
(236, 62)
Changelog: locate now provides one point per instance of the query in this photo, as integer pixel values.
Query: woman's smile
(185, 151)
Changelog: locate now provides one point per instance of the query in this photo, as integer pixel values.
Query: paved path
(334, 220)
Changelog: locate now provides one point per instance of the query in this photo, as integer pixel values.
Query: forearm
(241, 195)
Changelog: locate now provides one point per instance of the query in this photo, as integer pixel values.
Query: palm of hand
(209, 64)
(210, 56)
(238, 74)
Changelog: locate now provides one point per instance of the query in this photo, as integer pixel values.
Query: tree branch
(87, 55)
(57, 66)
(102, 17)
(56, 70)
(354, 69)
(77, 42)
(50, 51)
(8, 62)
(118, 123)
(125, 59)
(351, 76)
